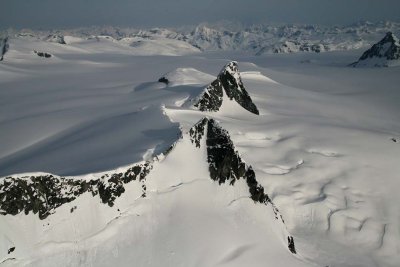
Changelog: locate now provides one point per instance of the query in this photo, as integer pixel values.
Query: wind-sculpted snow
(382, 54)
(230, 82)
(43, 194)
(226, 166)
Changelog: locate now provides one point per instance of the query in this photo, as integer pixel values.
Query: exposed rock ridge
(230, 81)
(211, 99)
(226, 166)
(43, 194)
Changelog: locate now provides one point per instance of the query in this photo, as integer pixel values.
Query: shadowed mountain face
(230, 82)
(380, 54)
(388, 48)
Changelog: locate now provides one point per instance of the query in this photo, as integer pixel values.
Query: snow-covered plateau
(199, 147)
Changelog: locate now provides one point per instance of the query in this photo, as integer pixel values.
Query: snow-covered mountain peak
(230, 82)
(232, 69)
(387, 47)
(390, 38)
(234, 88)
(385, 53)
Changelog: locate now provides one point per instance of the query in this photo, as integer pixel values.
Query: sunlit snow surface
(325, 147)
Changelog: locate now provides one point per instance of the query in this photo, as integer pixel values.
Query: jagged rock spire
(230, 81)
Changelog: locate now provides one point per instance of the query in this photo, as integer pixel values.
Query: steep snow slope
(324, 148)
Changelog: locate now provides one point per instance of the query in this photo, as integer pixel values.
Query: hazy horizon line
(221, 23)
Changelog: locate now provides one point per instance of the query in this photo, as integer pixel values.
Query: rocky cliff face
(381, 54)
(226, 166)
(230, 82)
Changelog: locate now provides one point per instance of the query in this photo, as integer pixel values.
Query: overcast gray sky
(144, 13)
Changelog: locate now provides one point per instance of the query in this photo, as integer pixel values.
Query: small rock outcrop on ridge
(230, 82)
(385, 53)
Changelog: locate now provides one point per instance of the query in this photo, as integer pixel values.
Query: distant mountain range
(256, 39)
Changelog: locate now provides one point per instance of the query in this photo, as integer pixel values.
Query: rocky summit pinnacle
(230, 81)
(381, 54)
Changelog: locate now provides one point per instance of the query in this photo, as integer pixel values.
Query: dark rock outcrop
(226, 166)
(381, 53)
(211, 99)
(45, 193)
(42, 54)
(11, 250)
(291, 244)
(230, 82)
(163, 80)
(3, 47)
